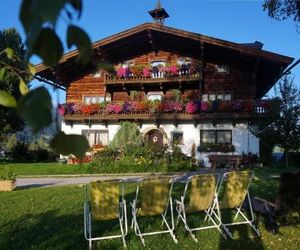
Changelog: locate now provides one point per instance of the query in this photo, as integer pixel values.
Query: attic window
(127, 64)
(223, 68)
(97, 74)
(182, 61)
(158, 63)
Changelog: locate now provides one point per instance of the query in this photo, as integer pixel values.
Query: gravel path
(23, 183)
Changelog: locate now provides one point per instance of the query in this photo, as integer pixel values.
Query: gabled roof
(149, 37)
(149, 31)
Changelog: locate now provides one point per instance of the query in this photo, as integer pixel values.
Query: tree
(287, 126)
(10, 38)
(282, 125)
(39, 20)
(283, 9)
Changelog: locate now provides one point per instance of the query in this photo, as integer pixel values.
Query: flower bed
(166, 106)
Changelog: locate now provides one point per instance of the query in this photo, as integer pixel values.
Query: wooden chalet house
(178, 86)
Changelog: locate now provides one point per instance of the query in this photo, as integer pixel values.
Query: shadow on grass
(53, 231)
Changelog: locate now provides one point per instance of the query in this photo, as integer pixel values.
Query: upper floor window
(158, 63)
(217, 96)
(153, 96)
(127, 64)
(223, 68)
(182, 61)
(97, 74)
(95, 99)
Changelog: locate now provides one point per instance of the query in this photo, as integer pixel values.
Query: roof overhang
(154, 37)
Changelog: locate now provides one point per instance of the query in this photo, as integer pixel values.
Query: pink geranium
(191, 107)
(173, 70)
(146, 72)
(205, 106)
(121, 72)
(61, 110)
(114, 108)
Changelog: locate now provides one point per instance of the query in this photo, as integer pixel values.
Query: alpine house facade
(178, 86)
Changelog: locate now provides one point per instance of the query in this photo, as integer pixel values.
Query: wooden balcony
(159, 81)
(160, 118)
(165, 112)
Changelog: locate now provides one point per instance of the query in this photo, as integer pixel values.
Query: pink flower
(114, 108)
(173, 70)
(146, 72)
(205, 106)
(61, 110)
(121, 72)
(191, 107)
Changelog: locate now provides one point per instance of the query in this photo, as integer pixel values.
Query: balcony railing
(166, 110)
(152, 77)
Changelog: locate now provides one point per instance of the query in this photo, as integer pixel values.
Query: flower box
(7, 185)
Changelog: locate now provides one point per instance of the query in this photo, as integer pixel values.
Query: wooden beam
(151, 41)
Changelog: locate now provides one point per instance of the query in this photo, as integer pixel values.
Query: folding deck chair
(232, 191)
(153, 197)
(103, 202)
(200, 196)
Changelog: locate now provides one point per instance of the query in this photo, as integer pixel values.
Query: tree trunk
(286, 153)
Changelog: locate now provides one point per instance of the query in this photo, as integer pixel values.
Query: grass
(52, 218)
(54, 168)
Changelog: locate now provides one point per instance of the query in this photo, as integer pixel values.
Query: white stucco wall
(242, 138)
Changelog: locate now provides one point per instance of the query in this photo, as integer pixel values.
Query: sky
(240, 21)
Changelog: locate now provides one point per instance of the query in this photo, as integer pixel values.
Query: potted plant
(7, 181)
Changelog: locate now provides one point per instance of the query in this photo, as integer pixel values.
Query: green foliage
(128, 136)
(7, 176)
(70, 144)
(13, 68)
(7, 100)
(76, 36)
(33, 151)
(39, 20)
(281, 126)
(51, 53)
(283, 9)
(35, 108)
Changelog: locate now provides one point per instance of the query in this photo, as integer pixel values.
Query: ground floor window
(177, 137)
(96, 137)
(216, 136)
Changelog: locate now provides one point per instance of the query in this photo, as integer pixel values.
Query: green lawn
(52, 218)
(58, 169)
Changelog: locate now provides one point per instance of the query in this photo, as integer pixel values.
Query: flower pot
(7, 185)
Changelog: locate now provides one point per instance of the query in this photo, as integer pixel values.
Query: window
(224, 136)
(95, 137)
(208, 136)
(177, 137)
(218, 96)
(227, 97)
(95, 99)
(211, 97)
(216, 136)
(205, 97)
(158, 63)
(186, 61)
(223, 68)
(153, 96)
